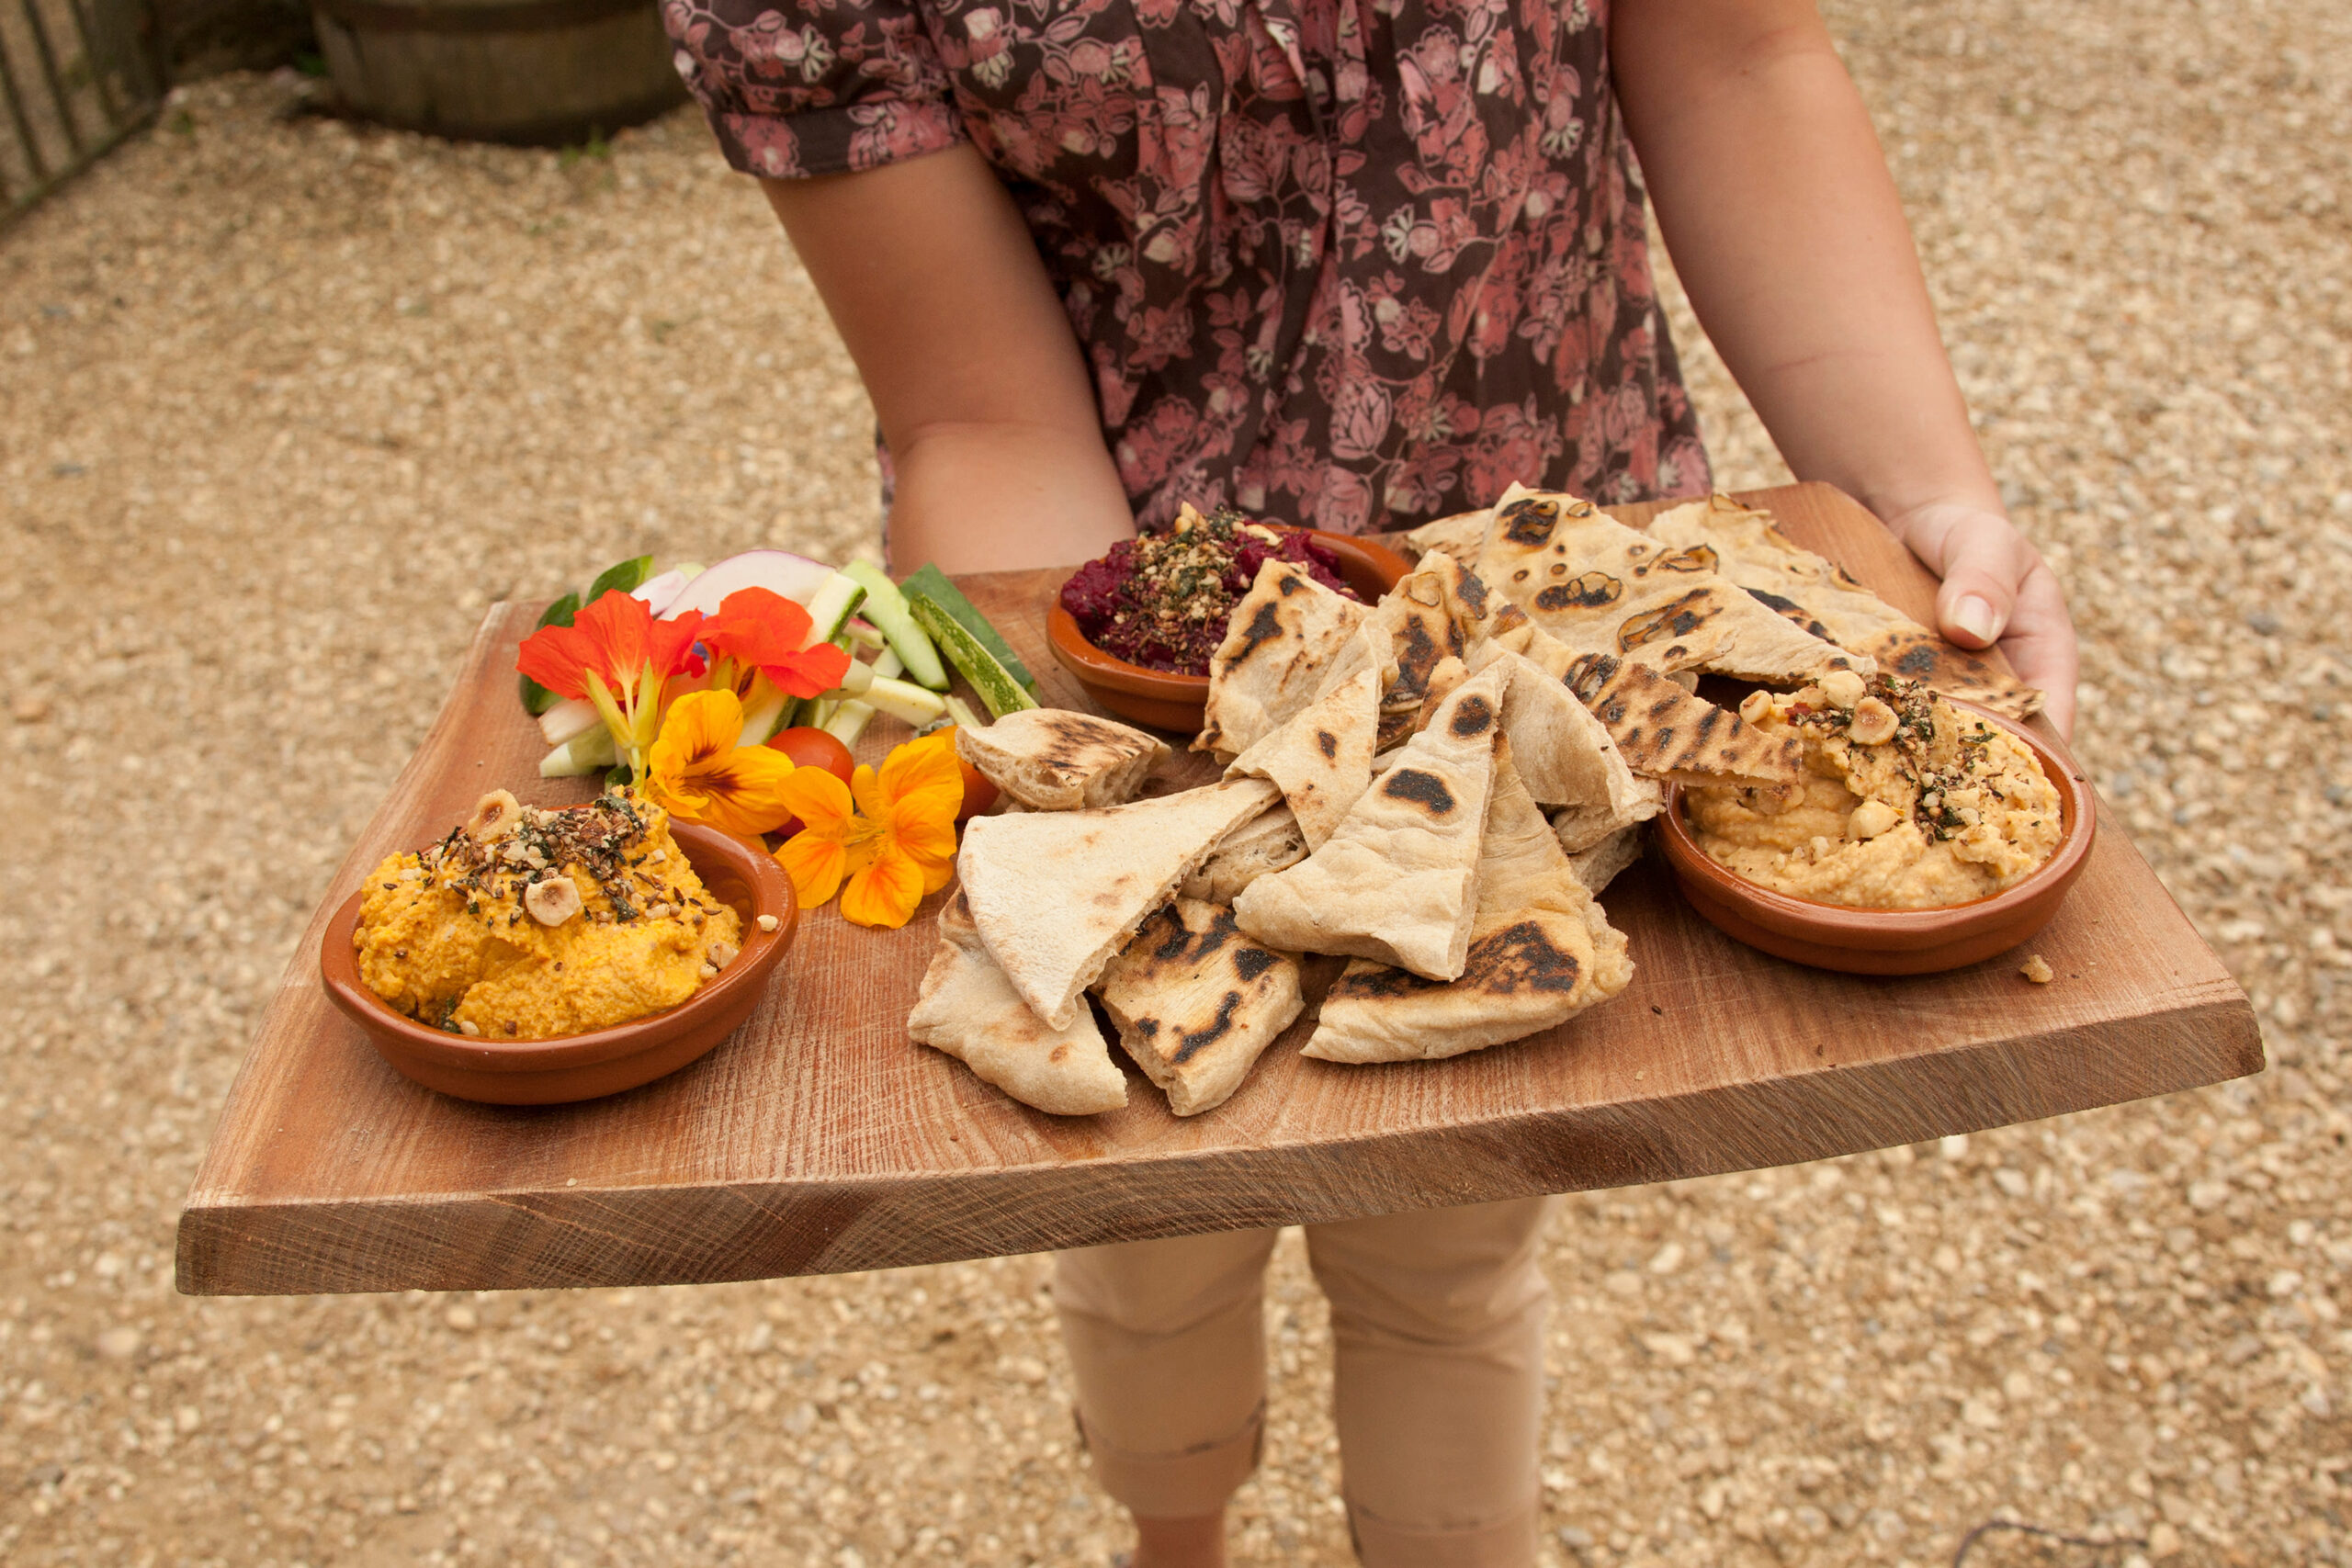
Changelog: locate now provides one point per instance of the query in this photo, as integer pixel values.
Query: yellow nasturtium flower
(697, 772)
(889, 837)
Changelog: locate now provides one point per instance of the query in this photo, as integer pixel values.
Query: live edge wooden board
(821, 1140)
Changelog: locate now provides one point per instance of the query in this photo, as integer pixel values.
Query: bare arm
(975, 374)
(1786, 228)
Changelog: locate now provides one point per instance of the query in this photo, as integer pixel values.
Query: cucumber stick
(994, 682)
(834, 604)
(932, 583)
(590, 751)
(848, 722)
(887, 608)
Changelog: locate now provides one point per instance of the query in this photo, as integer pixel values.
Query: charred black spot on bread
(1471, 592)
(1425, 790)
(1529, 520)
(1790, 610)
(1263, 627)
(1419, 657)
(1253, 962)
(1521, 958)
(1698, 558)
(1586, 590)
(1678, 618)
(1919, 661)
(1148, 1027)
(1327, 743)
(1473, 716)
(1289, 584)
(1217, 1029)
(1380, 981)
(1167, 934)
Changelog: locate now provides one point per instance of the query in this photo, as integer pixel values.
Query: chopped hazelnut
(2037, 969)
(722, 953)
(1870, 818)
(766, 923)
(1755, 706)
(1873, 722)
(1843, 687)
(554, 901)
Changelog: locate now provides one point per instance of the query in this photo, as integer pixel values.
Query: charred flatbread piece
(1600, 587)
(1058, 759)
(1563, 753)
(1667, 733)
(1321, 757)
(1816, 594)
(1267, 842)
(1055, 894)
(1195, 1001)
(1541, 951)
(1427, 623)
(967, 1009)
(1597, 865)
(1283, 632)
(1395, 882)
(1458, 536)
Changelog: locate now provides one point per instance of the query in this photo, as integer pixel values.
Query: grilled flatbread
(967, 1009)
(1281, 636)
(1667, 733)
(1055, 894)
(1195, 1001)
(1057, 760)
(1395, 882)
(1267, 842)
(1541, 951)
(1597, 865)
(1603, 588)
(1563, 754)
(1321, 757)
(1816, 593)
(1426, 623)
(1458, 536)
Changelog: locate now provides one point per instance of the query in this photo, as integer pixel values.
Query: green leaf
(628, 575)
(537, 699)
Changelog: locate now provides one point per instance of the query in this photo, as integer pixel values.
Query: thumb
(1983, 561)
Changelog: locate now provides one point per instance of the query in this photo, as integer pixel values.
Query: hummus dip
(526, 924)
(1907, 803)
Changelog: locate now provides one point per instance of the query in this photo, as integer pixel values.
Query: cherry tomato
(978, 792)
(814, 749)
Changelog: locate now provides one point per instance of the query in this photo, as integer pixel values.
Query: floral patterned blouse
(1349, 263)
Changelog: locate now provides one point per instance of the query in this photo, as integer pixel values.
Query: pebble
(299, 399)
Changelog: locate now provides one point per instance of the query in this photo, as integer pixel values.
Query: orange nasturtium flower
(761, 632)
(618, 657)
(891, 836)
(698, 774)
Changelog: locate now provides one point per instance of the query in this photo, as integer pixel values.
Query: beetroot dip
(1162, 600)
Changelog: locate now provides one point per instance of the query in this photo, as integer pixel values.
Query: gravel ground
(283, 406)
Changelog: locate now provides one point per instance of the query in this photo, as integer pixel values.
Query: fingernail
(1975, 616)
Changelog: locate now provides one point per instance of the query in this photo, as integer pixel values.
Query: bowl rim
(772, 893)
(1062, 630)
(2078, 806)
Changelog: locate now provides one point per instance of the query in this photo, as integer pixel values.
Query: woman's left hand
(1997, 589)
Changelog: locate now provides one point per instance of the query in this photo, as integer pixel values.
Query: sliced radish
(797, 578)
(659, 591)
(573, 716)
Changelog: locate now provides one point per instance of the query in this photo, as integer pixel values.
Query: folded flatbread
(1600, 587)
(1815, 595)
(1267, 842)
(1458, 536)
(1055, 894)
(1195, 1001)
(1541, 951)
(1057, 760)
(1563, 753)
(967, 1009)
(1321, 757)
(1667, 733)
(1395, 882)
(1281, 636)
(1597, 865)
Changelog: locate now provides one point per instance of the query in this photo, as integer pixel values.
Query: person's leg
(1437, 1329)
(1168, 1353)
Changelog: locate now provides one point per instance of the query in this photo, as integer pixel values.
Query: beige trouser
(1437, 1329)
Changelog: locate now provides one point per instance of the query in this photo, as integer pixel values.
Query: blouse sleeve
(796, 88)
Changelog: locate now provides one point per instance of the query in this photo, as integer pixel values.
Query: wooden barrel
(547, 72)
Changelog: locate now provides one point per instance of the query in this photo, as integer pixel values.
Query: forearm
(1788, 234)
(975, 376)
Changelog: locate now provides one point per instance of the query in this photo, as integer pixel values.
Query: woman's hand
(1997, 589)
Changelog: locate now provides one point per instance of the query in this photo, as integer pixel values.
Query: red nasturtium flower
(618, 657)
(760, 631)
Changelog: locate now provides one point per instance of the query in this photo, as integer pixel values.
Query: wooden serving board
(819, 1139)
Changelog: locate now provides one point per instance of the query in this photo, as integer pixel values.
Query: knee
(1153, 1288)
(1460, 1284)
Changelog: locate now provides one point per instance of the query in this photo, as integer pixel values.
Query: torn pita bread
(1058, 759)
(1267, 842)
(1597, 865)
(1055, 894)
(1563, 753)
(1815, 595)
(1541, 951)
(1600, 587)
(1321, 757)
(1426, 624)
(1458, 536)
(967, 1009)
(1395, 882)
(1667, 733)
(1282, 634)
(1195, 1001)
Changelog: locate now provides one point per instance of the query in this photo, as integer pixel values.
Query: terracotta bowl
(1892, 942)
(604, 1061)
(1175, 702)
